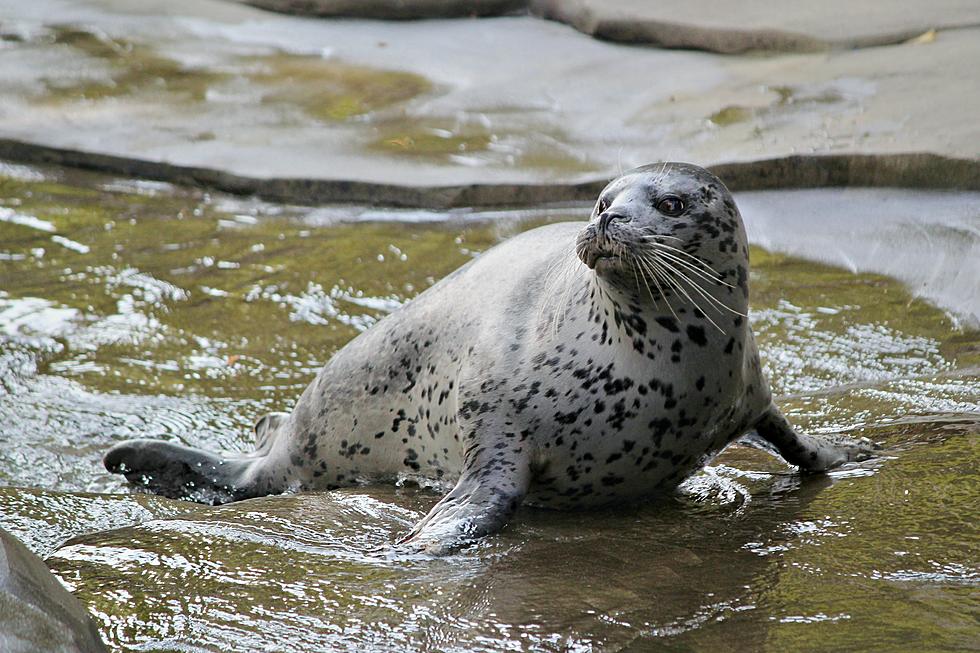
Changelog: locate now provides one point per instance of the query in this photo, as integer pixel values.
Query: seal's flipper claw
(810, 453)
(463, 516)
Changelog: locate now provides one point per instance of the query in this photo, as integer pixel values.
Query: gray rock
(905, 170)
(518, 110)
(794, 26)
(36, 612)
(392, 9)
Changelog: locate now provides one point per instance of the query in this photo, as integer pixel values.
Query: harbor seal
(573, 365)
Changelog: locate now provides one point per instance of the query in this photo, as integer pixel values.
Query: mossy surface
(443, 140)
(321, 88)
(730, 115)
(331, 90)
(132, 68)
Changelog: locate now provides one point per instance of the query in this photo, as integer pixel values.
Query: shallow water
(138, 309)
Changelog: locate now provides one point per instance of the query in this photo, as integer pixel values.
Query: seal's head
(667, 225)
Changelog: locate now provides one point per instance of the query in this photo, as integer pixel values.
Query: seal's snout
(601, 242)
(586, 246)
(608, 217)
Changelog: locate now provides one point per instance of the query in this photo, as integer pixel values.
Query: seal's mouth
(600, 251)
(600, 260)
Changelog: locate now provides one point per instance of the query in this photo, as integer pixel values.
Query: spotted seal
(568, 366)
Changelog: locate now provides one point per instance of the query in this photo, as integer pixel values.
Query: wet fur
(527, 376)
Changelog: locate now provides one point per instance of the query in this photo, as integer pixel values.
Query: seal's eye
(670, 205)
(601, 206)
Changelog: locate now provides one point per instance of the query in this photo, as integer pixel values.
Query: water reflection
(314, 569)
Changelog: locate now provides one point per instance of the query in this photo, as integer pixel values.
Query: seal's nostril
(606, 217)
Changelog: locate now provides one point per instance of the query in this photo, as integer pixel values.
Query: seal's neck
(628, 309)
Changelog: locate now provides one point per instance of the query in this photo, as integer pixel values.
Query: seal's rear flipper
(181, 472)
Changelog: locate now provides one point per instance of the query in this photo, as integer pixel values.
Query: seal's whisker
(636, 280)
(713, 301)
(694, 270)
(676, 278)
(668, 282)
(558, 277)
(711, 298)
(563, 305)
(654, 243)
(570, 270)
(679, 251)
(652, 267)
(687, 255)
(557, 306)
(553, 277)
(643, 275)
(680, 273)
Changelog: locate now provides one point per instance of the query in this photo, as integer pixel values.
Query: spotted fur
(528, 376)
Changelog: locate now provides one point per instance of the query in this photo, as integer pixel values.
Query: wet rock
(757, 25)
(802, 171)
(392, 9)
(36, 612)
(454, 110)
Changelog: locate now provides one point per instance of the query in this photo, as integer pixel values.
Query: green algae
(435, 140)
(788, 98)
(730, 115)
(426, 141)
(870, 568)
(268, 292)
(132, 68)
(323, 89)
(331, 90)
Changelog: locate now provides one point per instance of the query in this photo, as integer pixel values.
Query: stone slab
(910, 170)
(734, 27)
(505, 102)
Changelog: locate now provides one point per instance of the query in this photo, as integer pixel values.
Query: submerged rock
(36, 612)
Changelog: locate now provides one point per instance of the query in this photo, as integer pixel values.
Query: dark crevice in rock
(903, 170)
(392, 9)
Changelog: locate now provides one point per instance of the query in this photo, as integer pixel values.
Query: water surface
(138, 309)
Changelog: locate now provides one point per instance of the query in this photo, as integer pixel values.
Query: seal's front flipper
(814, 454)
(181, 472)
(488, 493)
